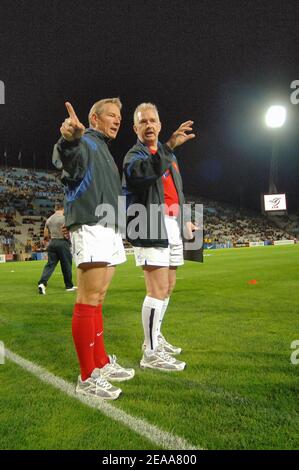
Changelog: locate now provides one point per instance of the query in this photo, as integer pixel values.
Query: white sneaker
(169, 348)
(163, 345)
(42, 289)
(97, 386)
(113, 371)
(162, 361)
(71, 289)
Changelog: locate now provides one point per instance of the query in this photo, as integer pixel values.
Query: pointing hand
(71, 128)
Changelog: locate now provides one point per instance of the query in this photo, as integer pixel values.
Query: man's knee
(158, 292)
(87, 297)
(90, 294)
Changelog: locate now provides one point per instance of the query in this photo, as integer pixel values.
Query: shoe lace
(113, 363)
(101, 382)
(166, 356)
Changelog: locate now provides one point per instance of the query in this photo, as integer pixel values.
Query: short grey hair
(142, 107)
(97, 107)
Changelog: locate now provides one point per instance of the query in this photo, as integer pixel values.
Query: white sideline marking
(143, 428)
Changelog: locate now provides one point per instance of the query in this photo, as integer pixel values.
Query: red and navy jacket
(142, 185)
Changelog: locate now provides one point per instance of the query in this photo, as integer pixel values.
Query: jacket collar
(141, 144)
(98, 134)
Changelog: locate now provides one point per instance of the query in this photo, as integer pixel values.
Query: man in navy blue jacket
(92, 182)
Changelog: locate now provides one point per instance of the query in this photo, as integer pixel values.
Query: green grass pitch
(239, 391)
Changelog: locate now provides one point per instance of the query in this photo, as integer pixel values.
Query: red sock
(83, 329)
(100, 356)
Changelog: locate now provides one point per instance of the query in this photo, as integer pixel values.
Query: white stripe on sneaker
(139, 426)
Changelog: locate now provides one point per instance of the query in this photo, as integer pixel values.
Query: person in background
(58, 251)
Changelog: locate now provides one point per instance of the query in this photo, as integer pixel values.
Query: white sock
(164, 308)
(151, 312)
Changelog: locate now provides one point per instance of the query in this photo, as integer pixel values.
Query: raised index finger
(71, 111)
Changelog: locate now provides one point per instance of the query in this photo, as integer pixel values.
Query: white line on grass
(143, 428)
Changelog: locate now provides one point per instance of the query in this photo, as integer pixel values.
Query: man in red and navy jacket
(153, 187)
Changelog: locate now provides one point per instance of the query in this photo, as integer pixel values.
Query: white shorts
(170, 256)
(97, 244)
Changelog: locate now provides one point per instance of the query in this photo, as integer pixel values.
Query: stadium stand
(224, 223)
(27, 198)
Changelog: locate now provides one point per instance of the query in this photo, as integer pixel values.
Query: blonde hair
(142, 107)
(97, 108)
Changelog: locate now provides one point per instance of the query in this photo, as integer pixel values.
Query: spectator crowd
(27, 199)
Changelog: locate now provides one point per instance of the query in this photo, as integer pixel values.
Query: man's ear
(94, 117)
(135, 129)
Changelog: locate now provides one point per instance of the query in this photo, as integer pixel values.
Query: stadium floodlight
(276, 116)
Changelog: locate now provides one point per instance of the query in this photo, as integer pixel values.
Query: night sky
(219, 63)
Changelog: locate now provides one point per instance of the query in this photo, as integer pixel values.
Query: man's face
(108, 121)
(148, 127)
